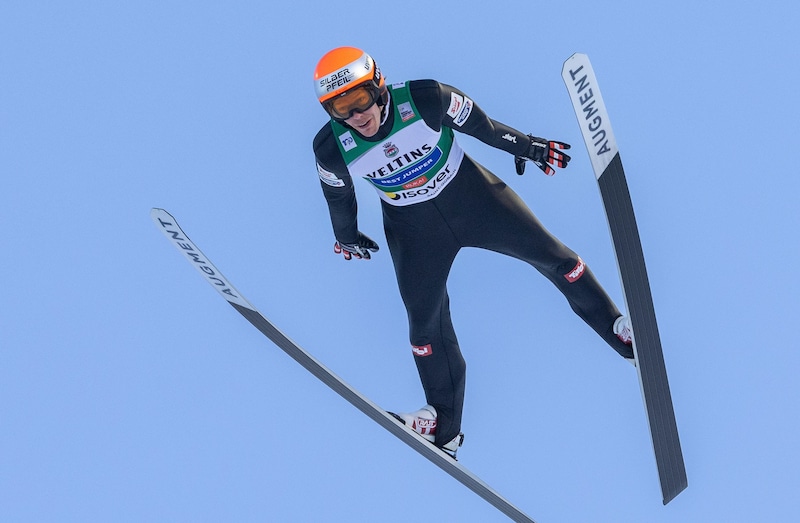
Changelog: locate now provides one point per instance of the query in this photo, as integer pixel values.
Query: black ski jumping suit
(436, 200)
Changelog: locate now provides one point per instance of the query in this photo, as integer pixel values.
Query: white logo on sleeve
(460, 108)
(329, 177)
(456, 102)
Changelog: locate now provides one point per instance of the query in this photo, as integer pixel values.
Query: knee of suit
(571, 269)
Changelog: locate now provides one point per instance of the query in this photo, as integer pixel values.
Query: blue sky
(129, 391)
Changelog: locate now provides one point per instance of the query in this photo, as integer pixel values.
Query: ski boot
(624, 331)
(423, 422)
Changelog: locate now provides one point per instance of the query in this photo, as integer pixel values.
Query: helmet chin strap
(384, 108)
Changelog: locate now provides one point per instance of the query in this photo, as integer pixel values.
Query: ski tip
(575, 57)
(162, 217)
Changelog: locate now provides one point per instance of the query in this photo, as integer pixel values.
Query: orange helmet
(347, 79)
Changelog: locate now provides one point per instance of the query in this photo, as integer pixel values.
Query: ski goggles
(358, 99)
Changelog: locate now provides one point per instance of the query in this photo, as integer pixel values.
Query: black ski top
(434, 102)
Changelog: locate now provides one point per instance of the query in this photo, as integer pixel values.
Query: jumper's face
(366, 123)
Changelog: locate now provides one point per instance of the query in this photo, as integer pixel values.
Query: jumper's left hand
(544, 153)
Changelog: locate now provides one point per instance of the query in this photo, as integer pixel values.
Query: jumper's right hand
(360, 249)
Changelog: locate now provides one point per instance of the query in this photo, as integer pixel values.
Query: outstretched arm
(442, 104)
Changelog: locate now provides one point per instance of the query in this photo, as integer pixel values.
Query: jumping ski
(590, 110)
(169, 226)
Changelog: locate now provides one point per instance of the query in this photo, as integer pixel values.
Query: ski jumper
(436, 200)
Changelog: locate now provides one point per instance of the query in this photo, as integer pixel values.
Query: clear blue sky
(129, 391)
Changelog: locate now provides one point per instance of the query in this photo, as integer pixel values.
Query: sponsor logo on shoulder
(398, 85)
(347, 141)
(460, 108)
(406, 112)
(456, 102)
(424, 350)
(510, 138)
(329, 177)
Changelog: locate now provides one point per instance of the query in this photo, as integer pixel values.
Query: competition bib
(413, 164)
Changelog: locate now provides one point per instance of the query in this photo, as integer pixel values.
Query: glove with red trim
(360, 249)
(544, 153)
